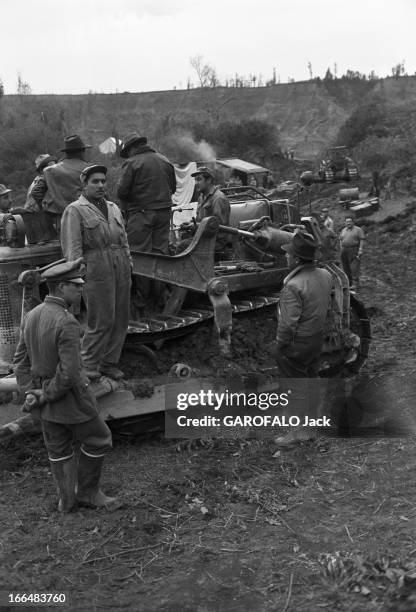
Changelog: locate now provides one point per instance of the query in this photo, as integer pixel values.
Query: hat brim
(5, 192)
(86, 173)
(124, 149)
(77, 148)
(77, 281)
(206, 174)
(289, 248)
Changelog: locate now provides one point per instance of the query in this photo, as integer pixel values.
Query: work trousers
(94, 436)
(107, 296)
(351, 264)
(148, 231)
(39, 227)
(300, 358)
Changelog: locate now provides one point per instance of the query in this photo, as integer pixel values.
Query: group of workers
(68, 196)
(50, 362)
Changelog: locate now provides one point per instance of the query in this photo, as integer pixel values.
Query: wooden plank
(122, 404)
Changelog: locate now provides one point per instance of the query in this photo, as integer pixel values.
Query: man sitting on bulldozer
(212, 202)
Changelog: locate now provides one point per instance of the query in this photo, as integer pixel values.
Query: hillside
(307, 115)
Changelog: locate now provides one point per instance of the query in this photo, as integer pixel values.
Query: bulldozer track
(163, 327)
(166, 327)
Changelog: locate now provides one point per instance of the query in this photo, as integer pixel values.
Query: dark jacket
(215, 204)
(147, 181)
(63, 184)
(304, 303)
(36, 193)
(48, 357)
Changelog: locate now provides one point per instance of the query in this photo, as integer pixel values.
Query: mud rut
(235, 525)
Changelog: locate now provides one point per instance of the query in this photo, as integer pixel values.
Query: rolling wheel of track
(329, 176)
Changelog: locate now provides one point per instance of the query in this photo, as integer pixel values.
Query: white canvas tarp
(185, 185)
(109, 146)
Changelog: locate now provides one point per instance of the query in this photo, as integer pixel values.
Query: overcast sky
(76, 46)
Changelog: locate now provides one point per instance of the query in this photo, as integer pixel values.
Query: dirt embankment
(308, 114)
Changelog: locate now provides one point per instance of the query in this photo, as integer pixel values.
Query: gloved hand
(35, 398)
(188, 226)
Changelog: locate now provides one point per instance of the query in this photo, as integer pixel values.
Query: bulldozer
(202, 292)
(338, 166)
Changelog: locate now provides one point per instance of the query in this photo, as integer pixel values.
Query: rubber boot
(89, 494)
(64, 473)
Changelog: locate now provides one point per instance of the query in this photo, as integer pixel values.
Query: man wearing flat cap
(93, 228)
(212, 202)
(61, 184)
(48, 365)
(303, 306)
(145, 190)
(41, 222)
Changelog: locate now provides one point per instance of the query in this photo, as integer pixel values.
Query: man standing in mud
(303, 307)
(327, 220)
(48, 366)
(352, 241)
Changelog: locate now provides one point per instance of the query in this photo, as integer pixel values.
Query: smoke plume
(182, 148)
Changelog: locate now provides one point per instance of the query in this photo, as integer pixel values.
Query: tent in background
(109, 146)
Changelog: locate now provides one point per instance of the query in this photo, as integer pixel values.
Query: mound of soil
(251, 349)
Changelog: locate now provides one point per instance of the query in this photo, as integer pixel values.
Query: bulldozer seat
(247, 211)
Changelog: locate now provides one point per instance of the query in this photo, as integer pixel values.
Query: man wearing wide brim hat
(128, 141)
(62, 184)
(147, 183)
(48, 366)
(145, 189)
(303, 306)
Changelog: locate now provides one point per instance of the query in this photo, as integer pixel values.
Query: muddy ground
(233, 525)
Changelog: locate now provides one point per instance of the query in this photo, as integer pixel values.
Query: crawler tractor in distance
(338, 166)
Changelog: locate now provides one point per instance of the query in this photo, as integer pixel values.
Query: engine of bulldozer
(16, 256)
(201, 291)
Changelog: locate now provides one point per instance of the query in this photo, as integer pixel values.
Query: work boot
(92, 374)
(89, 494)
(112, 372)
(64, 473)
